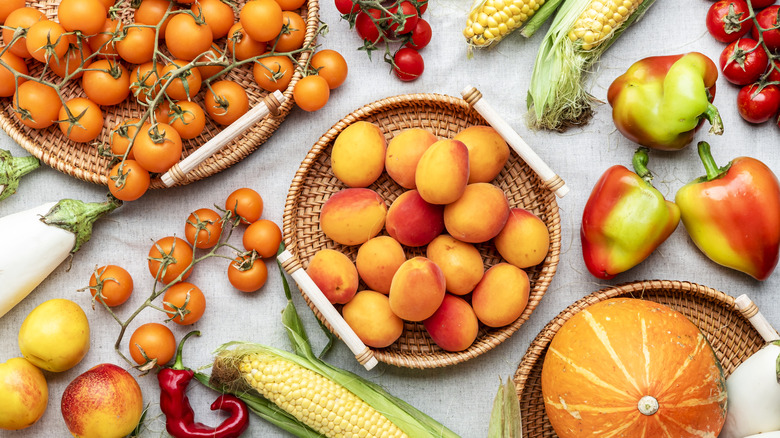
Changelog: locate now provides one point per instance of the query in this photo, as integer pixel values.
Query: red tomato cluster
(400, 22)
(750, 61)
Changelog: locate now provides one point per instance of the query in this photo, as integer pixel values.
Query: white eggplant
(34, 242)
(754, 396)
(12, 169)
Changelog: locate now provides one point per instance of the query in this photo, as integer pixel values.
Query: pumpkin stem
(648, 405)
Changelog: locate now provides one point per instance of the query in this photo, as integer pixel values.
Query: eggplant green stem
(713, 171)
(12, 169)
(79, 216)
(178, 363)
(713, 116)
(640, 165)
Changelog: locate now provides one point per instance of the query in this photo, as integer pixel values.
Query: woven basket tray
(731, 335)
(444, 116)
(83, 161)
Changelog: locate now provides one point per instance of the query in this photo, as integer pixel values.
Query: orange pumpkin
(627, 367)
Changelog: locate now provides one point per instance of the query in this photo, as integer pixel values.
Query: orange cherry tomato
(213, 58)
(263, 236)
(144, 81)
(20, 18)
(186, 38)
(207, 225)
(113, 283)
(36, 105)
(293, 32)
(262, 19)
(7, 83)
(8, 6)
(46, 40)
(157, 147)
(290, 5)
(152, 12)
(128, 181)
(187, 118)
(273, 72)
(218, 15)
(137, 46)
(104, 43)
(185, 2)
(85, 16)
(226, 102)
(170, 257)
(241, 45)
(184, 303)
(246, 204)
(153, 340)
(331, 66)
(121, 136)
(107, 4)
(77, 56)
(106, 83)
(311, 93)
(85, 121)
(176, 89)
(247, 274)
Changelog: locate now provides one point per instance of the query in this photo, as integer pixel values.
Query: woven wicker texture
(444, 116)
(731, 335)
(84, 161)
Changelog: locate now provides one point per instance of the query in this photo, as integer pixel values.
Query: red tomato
(157, 148)
(170, 257)
(758, 105)
(113, 283)
(728, 20)
(207, 225)
(421, 5)
(106, 83)
(311, 93)
(81, 120)
(261, 19)
(768, 21)
(346, 7)
(758, 4)
(421, 35)
(246, 204)
(7, 84)
(226, 102)
(408, 64)
(263, 236)
(247, 274)
(404, 17)
(331, 66)
(86, 16)
(368, 25)
(743, 61)
(36, 105)
(184, 303)
(774, 75)
(153, 340)
(128, 181)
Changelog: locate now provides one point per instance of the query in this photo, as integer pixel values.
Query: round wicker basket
(444, 116)
(84, 161)
(731, 336)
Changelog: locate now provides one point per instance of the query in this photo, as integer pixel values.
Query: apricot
(378, 260)
(525, 240)
(479, 215)
(454, 325)
(403, 153)
(358, 155)
(335, 275)
(460, 262)
(501, 295)
(370, 317)
(352, 216)
(417, 289)
(488, 152)
(412, 221)
(443, 172)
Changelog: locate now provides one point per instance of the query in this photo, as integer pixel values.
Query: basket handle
(362, 353)
(269, 105)
(550, 179)
(749, 310)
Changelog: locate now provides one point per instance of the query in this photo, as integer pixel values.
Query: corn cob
(581, 31)
(489, 21)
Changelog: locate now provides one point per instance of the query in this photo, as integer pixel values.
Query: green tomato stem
(12, 169)
(639, 162)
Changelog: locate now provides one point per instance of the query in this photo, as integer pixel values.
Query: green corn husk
(505, 420)
(556, 96)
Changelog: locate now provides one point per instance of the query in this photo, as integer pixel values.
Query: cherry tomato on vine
(421, 35)
(225, 102)
(86, 16)
(137, 47)
(212, 57)
(409, 64)
(144, 79)
(290, 5)
(176, 89)
(368, 26)
(406, 15)
(760, 4)
(106, 83)
(206, 224)
(246, 204)
(121, 136)
(7, 83)
(151, 12)
(187, 118)
(346, 7)
(774, 74)
(247, 275)
(74, 58)
(103, 43)
(273, 73)
(728, 20)
(47, 40)
(263, 236)
(85, 121)
(115, 287)
(758, 105)
(8, 6)
(262, 19)
(128, 181)
(157, 147)
(331, 66)
(173, 249)
(155, 340)
(36, 105)
(22, 18)
(186, 38)
(241, 46)
(184, 303)
(743, 61)
(218, 15)
(292, 34)
(421, 5)
(311, 93)
(768, 20)
(107, 3)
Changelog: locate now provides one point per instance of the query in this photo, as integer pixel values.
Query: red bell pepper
(625, 219)
(733, 214)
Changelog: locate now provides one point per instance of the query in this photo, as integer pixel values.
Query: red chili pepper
(179, 416)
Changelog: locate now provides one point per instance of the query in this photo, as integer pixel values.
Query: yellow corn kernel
(599, 20)
(490, 20)
(319, 402)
